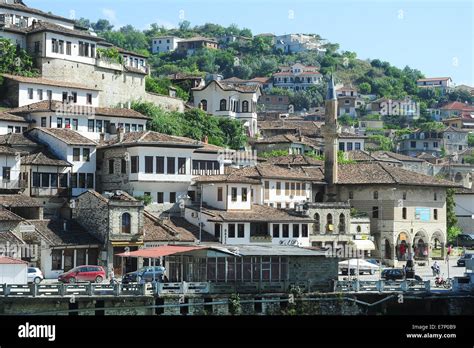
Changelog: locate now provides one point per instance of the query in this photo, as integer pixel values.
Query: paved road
(425, 272)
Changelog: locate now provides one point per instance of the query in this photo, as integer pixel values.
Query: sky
(435, 37)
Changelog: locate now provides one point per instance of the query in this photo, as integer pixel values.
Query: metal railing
(382, 286)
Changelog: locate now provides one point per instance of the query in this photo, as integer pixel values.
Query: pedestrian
(450, 249)
(112, 276)
(435, 268)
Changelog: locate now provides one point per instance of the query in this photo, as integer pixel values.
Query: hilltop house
(297, 77)
(444, 84)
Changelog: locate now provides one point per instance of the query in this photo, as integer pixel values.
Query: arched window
(204, 104)
(342, 223)
(245, 106)
(359, 229)
(126, 223)
(223, 105)
(317, 223)
(329, 223)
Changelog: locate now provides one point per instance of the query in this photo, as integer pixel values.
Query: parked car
(464, 240)
(145, 274)
(35, 275)
(462, 260)
(393, 274)
(364, 266)
(83, 274)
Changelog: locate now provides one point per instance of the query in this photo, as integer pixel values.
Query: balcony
(108, 64)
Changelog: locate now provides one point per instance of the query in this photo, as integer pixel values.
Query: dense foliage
(451, 219)
(195, 124)
(14, 60)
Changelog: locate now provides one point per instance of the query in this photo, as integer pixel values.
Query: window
(304, 230)
(86, 49)
(219, 194)
(49, 94)
(43, 121)
(231, 230)
(67, 123)
(6, 173)
(287, 188)
(278, 188)
(267, 189)
(172, 197)
(349, 146)
(134, 164)
(68, 48)
(82, 180)
(317, 223)
(241, 231)
(160, 197)
(123, 166)
(342, 223)
(329, 222)
(140, 128)
(126, 223)
(37, 46)
(73, 180)
(40, 94)
(171, 165)
(111, 166)
(244, 194)
(90, 126)
(296, 231)
(57, 260)
(376, 194)
(245, 106)
(160, 165)
(351, 195)
(61, 47)
(375, 212)
(76, 154)
(286, 231)
(413, 144)
(234, 194)
(90, 181)
(292, 192)
(276, 231)
(59, 122)
(64, 97)
(181, 165)
(435, 214)
(357, 146)
(89, 98)
(204, 104)
(86, 155)
(404, 213)
(298, 189)
(30, 93)
(75, 124)
(54, 46)
(435, 144)
(148, 164)
(435, 196)
(92, 51)
(223, 105)
(98, 126)
(404, 196)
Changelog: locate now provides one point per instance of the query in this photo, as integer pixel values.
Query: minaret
(331, 143)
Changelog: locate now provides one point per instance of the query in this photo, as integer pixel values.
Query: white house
(10, 123)
(29, 90)
(297, 77)
(90, 121)
(239, 102)
(295, 43)
(73, 148)
(164, 44)
(10, 168)
(156, 165)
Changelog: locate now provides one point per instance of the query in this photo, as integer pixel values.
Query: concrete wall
(13, 274)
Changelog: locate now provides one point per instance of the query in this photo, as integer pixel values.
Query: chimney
(120, 134)
(331, 143)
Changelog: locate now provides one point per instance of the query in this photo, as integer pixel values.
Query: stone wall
(92, 213)
(316, 273)
(117, 180)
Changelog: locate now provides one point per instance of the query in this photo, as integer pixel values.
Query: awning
(166, 250)
(361, 244)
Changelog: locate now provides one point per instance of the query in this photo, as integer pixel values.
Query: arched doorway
(421, 246)
(437, 244)
(402, 248)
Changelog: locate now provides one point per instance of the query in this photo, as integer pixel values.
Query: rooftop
(18, 201)
(67, 136)
(41, 26)
(22, 7)
(47, 82)
(54, 232)
(150, 138)
(45, 158)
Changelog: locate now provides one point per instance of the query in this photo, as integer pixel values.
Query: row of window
(234, 105)
(104, 126)
(76, 154)
(159, 168)
(297, 79)
(291, 189)
(54, 180)
(49, 95)
(201, 167)
(349, 146)
(160, 197)
(283, 231)
(329, 223)
(17, 129)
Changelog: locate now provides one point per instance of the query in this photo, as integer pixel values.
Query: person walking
(435, 268)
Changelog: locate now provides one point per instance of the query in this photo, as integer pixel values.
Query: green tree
(470, 139)
(365, 88)
(14, 60)
(451, 220)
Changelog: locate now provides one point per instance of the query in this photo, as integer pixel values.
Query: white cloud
(110, 15)
(166, 24)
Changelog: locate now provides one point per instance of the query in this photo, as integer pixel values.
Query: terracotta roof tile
(5, 260)
(45, 158)
(48, 26)
(18, 201)
(153, 138)
(74, 234)
(67, 136)
(48, 82)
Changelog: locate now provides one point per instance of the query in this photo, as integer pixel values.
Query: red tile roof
(455, 105)
(5, 260)
(47, 82)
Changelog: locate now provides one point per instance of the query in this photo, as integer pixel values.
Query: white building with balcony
(164, 44)
(221, 99)
(297, 77)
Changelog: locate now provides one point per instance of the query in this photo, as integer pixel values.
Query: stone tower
(331, 144)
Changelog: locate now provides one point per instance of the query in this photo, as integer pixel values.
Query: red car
(83, 274)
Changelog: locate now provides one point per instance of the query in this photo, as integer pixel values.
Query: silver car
(35, 275)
